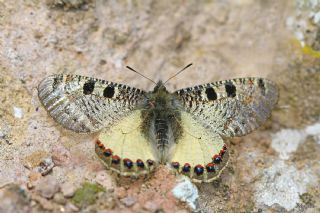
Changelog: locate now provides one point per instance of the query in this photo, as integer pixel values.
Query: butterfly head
(159, 97)
(160, 88)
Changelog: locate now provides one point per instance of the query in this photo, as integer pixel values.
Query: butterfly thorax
(161, 118)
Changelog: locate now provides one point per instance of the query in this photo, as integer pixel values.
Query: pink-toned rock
(152, 206)
(129, 201)
(120, 192)
(68, 189)
(71, 208)
(47, 187)
(60, 155)
(105, 180)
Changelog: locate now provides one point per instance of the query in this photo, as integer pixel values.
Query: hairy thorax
(161, 121)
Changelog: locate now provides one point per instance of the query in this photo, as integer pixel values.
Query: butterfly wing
(85, 104)
(233, 107)
(199, 153)
(124, 148)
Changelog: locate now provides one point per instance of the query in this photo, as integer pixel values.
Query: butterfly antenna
(140, 74)
(177, 73)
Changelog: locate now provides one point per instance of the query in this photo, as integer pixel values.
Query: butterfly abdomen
(161, 130)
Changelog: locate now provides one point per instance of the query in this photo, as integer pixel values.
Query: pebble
(45, 166)
(17, 112)
(151, 206)
(104, 179)
(47, 187)
(120, 192)
(128, 201)
(59, 198)
(68, 189)
(60, 155)
(71, 208)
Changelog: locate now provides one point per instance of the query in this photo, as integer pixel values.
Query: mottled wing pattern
(233, 107)
(124, 148)
(199, 153)
(85, 104)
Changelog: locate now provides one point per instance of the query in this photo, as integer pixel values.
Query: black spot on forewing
(230, 89)
(211, 94)
(262, 86)
(88, 87)
(108, 92)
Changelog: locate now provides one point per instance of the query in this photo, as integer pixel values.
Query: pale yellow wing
(124, 148)
(199, 153)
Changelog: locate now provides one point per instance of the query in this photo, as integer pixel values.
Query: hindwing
(199, 153)
(124, 148)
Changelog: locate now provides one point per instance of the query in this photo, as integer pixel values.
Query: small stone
(13, 199)
(71, 208)
(186, 191)
(106, 201)
(60, 155)
(151, 206)
(128, 201)
(18, 113)
(47, 187)
(45, 166)
(68, 189)
(59, 198)
(30, 185)
(33, 203)
(104, 179)
(46, 204)
(120, 192)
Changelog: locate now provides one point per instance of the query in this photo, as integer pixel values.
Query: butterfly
(140, 130)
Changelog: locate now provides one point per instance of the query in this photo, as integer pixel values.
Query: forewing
(124, 148)
(233, 107)
(199, 153)
(85, 104)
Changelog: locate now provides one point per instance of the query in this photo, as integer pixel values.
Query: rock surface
(46, 168)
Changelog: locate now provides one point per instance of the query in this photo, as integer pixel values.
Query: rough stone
(68, 189)
(128, 201)
(187, 192)
(105, 180)
(47, 186)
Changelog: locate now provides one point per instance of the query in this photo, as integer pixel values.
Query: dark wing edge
(233, 107)
(84, 104)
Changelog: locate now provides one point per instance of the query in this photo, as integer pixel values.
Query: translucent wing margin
(85, 104)
(233, 107)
